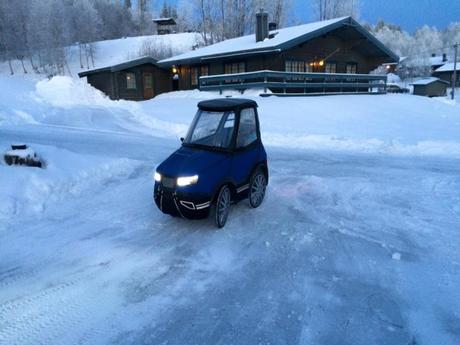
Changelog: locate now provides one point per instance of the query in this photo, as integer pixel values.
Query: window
(194, 76)
(197, 72)
(352, 68)
(130, 81)
(295, 66)
(204, 71)
(234, 67)
(247, 132)
(331, 67)
(308, 67)
(211, 129)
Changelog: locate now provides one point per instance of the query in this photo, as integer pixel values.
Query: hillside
(116, 51)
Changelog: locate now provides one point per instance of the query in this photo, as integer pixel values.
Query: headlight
(157, 176)
(186, 181)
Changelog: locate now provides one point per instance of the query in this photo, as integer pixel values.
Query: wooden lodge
(136, 80)
(327, 57)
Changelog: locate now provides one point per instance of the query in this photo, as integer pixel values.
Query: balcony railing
(292, 83)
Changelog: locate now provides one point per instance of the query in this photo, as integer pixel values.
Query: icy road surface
(346, 249)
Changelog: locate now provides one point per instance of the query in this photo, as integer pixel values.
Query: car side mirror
(182, 140)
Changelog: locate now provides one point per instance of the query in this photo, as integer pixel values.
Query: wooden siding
(328, 49)
(435, 89)
(114, 84)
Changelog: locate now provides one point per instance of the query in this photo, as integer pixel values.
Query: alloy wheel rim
(258, 189)
(224, 205)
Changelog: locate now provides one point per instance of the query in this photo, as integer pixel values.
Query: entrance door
(175, 82)
(148, 85)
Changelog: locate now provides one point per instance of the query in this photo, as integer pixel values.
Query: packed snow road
(346, 249)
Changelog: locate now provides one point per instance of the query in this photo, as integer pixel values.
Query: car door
(246, 148)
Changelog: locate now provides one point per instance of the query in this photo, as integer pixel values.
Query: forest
(41, 31)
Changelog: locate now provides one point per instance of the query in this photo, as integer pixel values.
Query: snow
(27, 153)
(356, 242)
(448, 67)
(248, 42)
(112, 52)
(427, 81)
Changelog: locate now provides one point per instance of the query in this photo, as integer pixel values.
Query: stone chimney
(261, 26)
(444, 57)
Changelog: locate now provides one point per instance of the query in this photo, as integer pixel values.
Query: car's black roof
(226, 104)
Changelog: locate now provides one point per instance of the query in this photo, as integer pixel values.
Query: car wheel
(257, 188)
(222, 206)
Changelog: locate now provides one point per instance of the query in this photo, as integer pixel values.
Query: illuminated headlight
(186, 181)
(157, 176)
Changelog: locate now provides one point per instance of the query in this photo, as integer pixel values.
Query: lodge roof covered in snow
(282, 39)
(121, 66)
(448, 67)
(428, 81)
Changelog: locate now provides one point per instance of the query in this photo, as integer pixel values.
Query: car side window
(247, 132)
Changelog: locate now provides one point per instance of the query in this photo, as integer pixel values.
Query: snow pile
(67, 92)
(30, 191)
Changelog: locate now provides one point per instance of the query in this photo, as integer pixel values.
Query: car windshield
(211, 129)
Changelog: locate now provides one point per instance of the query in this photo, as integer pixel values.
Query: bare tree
(328, 9)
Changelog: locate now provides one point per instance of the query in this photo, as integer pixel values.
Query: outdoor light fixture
(174, 69)
(321, 63)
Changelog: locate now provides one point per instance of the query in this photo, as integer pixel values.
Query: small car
(222, 161)
(395, 88)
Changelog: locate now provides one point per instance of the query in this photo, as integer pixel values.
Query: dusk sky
(410, 14)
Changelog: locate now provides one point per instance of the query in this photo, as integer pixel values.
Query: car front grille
(168, 182)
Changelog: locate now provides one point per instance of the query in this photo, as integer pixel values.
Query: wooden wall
(315, 50)
(113, 84)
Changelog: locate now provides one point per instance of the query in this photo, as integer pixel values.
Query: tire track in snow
(44, 317)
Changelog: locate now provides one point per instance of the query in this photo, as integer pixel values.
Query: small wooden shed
(430, 87)
(136, 80)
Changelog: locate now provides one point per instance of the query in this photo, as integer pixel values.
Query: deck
(296, 84)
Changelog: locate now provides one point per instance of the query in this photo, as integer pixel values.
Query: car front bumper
(180, 204)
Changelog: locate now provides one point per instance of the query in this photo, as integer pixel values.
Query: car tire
(221, 206)
(257, 187)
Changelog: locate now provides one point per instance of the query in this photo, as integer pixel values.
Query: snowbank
(30, 191)
(384, 124)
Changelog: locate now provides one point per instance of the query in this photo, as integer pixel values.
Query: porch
(296, 84)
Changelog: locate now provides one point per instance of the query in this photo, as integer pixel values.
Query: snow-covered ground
(111, 52)
(356, 242)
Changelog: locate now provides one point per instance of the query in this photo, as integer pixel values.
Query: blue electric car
(221, 161)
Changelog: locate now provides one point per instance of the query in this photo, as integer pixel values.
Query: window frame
(129, 81)
(237, 130)
(199, 70)
(330, 63)
(354, 64)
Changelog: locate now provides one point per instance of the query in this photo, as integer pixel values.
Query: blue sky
(410, 14)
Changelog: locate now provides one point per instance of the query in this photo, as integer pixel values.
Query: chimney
(272, 26)
(433, 55)
(444, 57)
(261, 26)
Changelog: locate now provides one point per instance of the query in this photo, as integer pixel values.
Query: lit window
(130, 81)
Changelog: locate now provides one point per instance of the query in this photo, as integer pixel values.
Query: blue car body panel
(214, 168)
